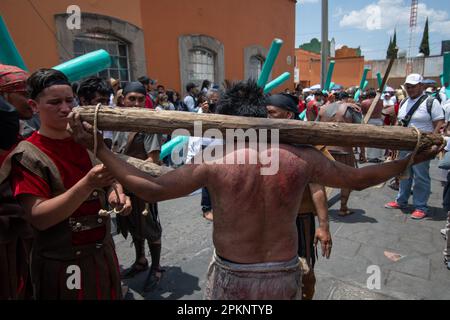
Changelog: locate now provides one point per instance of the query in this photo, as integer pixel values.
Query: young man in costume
(255, 234)
(314, 202)
(143, 223)
(346, 112)
(62, 193)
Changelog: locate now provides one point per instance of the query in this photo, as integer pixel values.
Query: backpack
(183, 107)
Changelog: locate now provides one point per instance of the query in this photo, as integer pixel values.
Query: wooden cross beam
(290, 131)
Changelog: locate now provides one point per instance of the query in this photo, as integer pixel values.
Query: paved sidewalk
(364, 239)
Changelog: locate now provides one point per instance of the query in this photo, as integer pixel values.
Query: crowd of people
(264, 234)
(418, 103)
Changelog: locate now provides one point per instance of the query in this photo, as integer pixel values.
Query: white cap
(414, 79)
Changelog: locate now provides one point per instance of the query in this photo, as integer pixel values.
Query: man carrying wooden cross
(255, 235)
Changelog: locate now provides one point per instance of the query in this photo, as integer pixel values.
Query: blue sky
(370, 23)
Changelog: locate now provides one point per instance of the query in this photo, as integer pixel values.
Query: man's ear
(33, 104)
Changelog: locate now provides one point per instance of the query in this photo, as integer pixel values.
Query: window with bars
(120, 64)
(255, 67)
(201, 66)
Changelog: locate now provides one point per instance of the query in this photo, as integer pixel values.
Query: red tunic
(73, 163)
(387, 119)
(301, 106)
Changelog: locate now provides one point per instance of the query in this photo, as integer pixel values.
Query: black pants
(206, 201)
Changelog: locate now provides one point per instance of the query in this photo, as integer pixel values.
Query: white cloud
(387, 14)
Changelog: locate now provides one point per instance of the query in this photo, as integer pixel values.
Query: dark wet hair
(92, 85)
(43, 79)
(243, 99)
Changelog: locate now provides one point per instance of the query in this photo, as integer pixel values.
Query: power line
(49, 28)
(349, 30)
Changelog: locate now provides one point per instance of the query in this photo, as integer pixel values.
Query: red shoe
(418, 215)
(393, 205)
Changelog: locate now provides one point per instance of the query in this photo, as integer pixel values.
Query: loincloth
(138, 225)
(261, 281)
(306, 228)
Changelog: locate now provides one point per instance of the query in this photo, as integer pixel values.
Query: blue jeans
(420, 182)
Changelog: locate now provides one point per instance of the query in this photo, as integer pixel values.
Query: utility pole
(325, 50)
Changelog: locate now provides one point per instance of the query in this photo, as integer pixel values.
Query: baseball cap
(414, 79)
(389, 89)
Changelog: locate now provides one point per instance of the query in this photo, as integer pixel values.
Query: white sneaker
(444, 233)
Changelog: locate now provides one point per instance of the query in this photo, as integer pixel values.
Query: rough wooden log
(148, 167)
(151, 168)
(290, 131)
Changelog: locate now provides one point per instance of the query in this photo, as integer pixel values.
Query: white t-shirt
(389, 102)
(196, 143)
(421, 118)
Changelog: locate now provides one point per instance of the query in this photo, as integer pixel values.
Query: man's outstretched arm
(338, 175)
(174, 184)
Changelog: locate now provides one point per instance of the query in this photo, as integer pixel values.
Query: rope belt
(103, 212)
